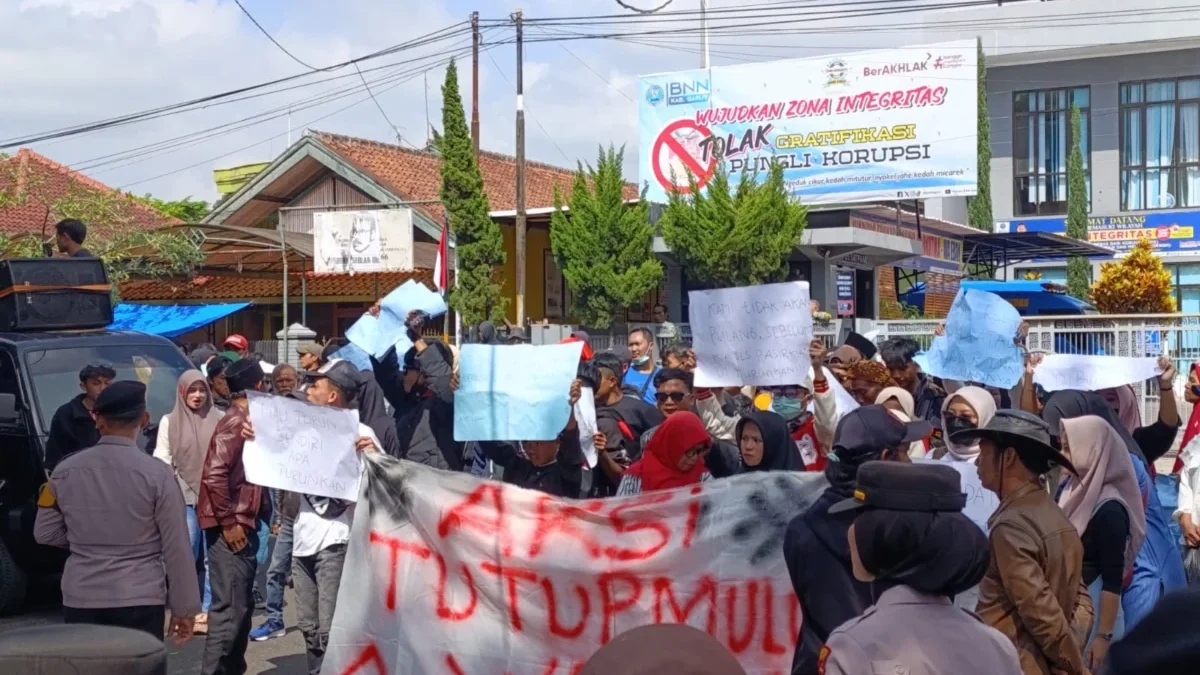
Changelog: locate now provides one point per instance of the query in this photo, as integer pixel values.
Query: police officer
(911, 535)
(120, 513)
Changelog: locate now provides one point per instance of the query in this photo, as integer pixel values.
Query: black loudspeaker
(54, 293)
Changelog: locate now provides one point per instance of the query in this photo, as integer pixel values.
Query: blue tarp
(169, 320)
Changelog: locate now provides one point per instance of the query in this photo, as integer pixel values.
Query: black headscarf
(487, 333)
(936, 553)
(779, 452)
(1071, 403)
(373, 413)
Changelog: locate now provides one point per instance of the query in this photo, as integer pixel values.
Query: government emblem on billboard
(654, 94)
(835, 73)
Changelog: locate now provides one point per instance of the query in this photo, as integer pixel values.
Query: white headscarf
(984, 405)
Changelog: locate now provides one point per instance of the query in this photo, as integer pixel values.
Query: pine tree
(979, 210)
(476, 295)
(1136, 284)
(734, 238)
(604, 247)
(1078, 267)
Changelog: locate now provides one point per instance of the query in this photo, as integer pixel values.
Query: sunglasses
(675, 396)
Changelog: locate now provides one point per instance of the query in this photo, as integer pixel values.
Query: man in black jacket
(72, 428)
(815, 546)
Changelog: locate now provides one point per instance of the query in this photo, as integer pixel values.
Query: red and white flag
(441, 271)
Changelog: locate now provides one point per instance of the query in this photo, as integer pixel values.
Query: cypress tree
(1078, 267)
(979, 210)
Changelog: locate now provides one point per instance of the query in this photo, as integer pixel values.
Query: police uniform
(121, 514)
(909, 632)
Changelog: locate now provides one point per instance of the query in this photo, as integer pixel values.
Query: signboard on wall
(844, 283)
(1174, 232)
(871, 126)
(379, 240)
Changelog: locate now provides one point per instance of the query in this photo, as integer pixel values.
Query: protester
(284, 379)
(311, 356)
(898, 355)
(621, 420)
(1191, 394)
(662, 649)
(229, 509)
(217, 384)
(1033, 592)
(1155, 439)
(640, 375)
(183, 438)
(1187, 466)
(68, 236)
(201, 356)
(279, 571)
(487, 333)
(120, 514)
(665, 329)
(855, 348)
(422, 397)
(1158, 568)
(585, 350)
(865, 379)
(815, 545)
(900, 403)
(372, 411)
(72, 428)
(1163, 643)
(676, 356)
(1105, 505)
(965, 409)
(910, 534)
(674, 394)
(765, 444)
(673, 458)
(236, 347)
(554, 467)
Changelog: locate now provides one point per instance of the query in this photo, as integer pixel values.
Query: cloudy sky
(67, 62)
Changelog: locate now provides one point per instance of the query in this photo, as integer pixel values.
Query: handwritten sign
(1088, 372)
(978, 345)
(514, 392)
(505, 580)
(302, 448)
(755, 335)
(981, 502)
(585, 419)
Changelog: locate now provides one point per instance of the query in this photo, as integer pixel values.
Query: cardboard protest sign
(302, 448)
(514, 392)
(376, 335)
(981, 502)
(978, 345)
(585, 419)
(1088, 372)
(755, 335)
(447, 574)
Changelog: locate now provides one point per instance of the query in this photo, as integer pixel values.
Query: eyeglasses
(675, 396)
(789, 392)
(697, 452)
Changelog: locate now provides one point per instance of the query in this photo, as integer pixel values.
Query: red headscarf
(658, 467)
(1193, 427)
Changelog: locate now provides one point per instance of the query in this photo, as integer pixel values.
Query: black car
(39, 371)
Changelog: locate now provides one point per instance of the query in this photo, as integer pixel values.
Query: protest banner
(1088, 372)
(979, 342)
(302, 448)
(981, 502)
(753, 335)
(447, 574)
(514, 392)
(585, 418)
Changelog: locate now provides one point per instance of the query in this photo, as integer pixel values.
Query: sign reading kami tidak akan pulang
(871, 126)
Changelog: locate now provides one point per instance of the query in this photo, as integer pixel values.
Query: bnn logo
(696, 91)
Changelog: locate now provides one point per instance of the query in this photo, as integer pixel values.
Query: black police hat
(900, 486)
(870, 429)
(121, 399)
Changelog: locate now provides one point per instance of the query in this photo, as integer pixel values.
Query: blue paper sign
(376, 336)
(978, 345)
(514, 392)
(354, 354)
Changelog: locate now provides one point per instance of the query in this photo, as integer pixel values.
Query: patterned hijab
(189, 431)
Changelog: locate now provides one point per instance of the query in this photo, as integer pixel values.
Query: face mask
(788, 407)
(641, 360)
(955, 424)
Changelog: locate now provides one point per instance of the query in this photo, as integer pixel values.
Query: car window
(55, 374)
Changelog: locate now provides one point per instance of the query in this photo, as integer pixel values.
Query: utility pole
(475, 82)
(704, 34)
(520, 247)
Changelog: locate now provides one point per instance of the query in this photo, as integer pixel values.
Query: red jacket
(226, 498)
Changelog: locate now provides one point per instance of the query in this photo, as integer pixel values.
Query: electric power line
(366, 86)
(639, 10)
(272, 39)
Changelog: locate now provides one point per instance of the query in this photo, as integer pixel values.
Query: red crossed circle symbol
(661, 161)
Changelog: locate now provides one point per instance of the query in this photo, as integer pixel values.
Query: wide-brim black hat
(1024, 432)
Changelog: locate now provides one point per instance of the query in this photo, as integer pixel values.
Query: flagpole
(445, 273)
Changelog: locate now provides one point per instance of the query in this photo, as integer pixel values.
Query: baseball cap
(310, 348)
(871, 429)
(342, 373)
(236, 341)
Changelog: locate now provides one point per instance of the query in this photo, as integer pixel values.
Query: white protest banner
(303, 448)
(981, 502)
(1088, 372)
(447, 574)
(585, 419)
(755, 335)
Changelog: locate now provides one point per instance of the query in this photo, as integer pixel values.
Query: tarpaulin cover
(169, 320)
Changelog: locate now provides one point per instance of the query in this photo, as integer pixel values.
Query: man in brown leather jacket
(229, 509)
(1033, 591)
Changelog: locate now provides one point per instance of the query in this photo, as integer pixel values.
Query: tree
(604, 247)
(1136, 284)
(479, 247)
(187, 209)
(1078, 268)
(734, 238)
(979, 210)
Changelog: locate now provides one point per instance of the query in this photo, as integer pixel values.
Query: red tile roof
(364, 285)
(43, 182)
(416, 174)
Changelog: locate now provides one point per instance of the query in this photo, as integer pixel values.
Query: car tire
(12, 583)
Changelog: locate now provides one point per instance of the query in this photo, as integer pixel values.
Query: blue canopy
(169, 320)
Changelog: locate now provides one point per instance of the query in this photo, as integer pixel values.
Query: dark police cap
(900, 486)
(243, 375)
(126, 397)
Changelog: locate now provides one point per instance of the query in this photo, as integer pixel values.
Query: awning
(169, 320)
(1011, 248)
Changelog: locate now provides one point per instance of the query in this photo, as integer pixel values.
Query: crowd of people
(1077, 553)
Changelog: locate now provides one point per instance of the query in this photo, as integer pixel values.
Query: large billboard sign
(1169, 232)
(873, 126)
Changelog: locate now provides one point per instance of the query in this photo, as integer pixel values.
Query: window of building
(1041, 143)
(1160, 144)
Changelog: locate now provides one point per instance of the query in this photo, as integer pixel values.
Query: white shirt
(312, 533)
